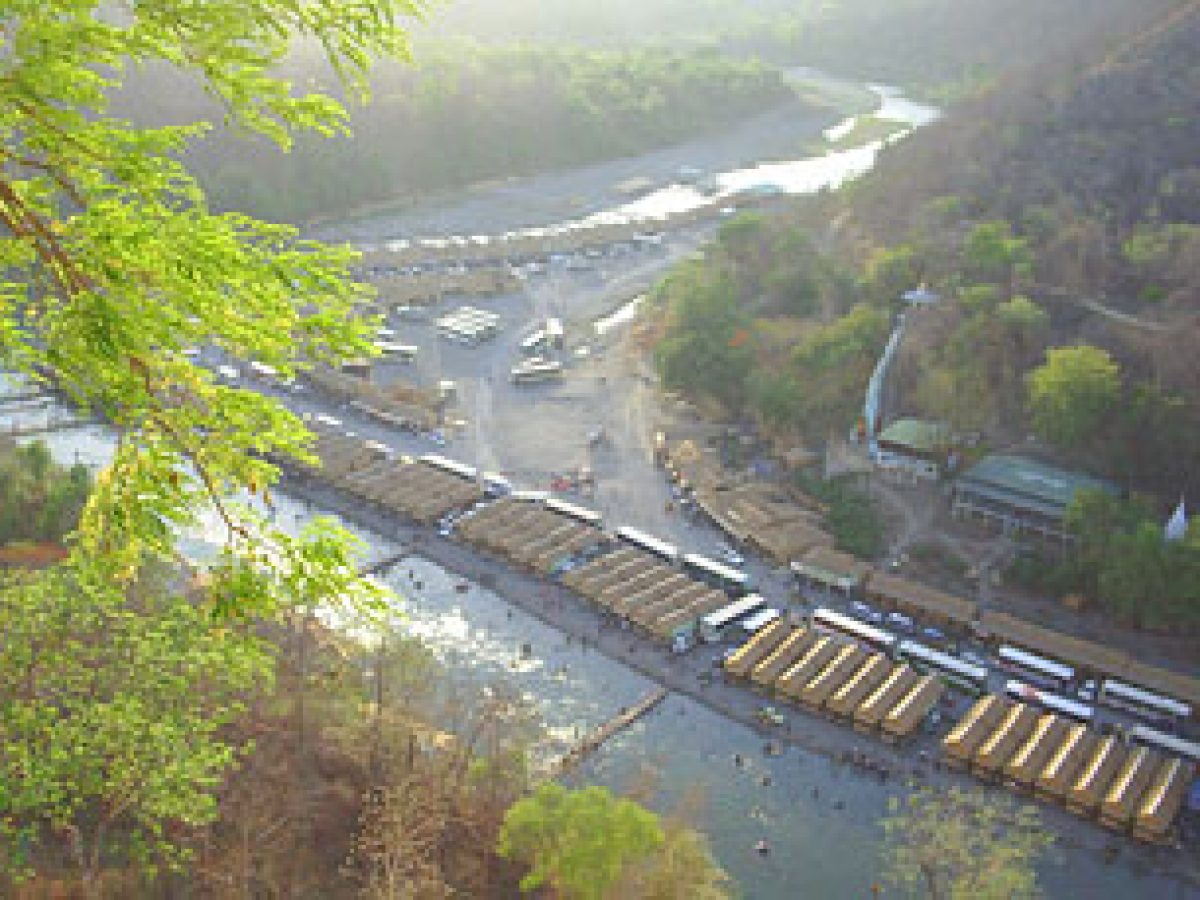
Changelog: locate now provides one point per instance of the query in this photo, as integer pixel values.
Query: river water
(820, 818)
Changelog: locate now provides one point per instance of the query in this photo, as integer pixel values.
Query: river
(770, 153)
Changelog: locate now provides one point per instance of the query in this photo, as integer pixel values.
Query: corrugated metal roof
(1024, 481)
(916, 434)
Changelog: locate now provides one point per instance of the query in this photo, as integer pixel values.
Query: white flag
(1177, 525)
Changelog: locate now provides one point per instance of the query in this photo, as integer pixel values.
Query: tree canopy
(112, 266)
(1071, 392)
(577, 841)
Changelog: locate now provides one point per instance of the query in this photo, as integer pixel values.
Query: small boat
(762, 848)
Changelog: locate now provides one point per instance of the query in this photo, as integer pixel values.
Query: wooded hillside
(1060, 208)
(470, 112)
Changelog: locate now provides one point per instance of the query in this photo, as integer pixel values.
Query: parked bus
(715, 626)
(861, 631)
(531, 372)
(636, 538)
(1142, 703)
(571, 511)
(729, 580)
(760, 620)
(1169, 743)
(1053, 702)
(1041, 671)
(450, 466)
(951, 669)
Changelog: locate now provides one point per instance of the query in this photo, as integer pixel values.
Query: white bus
(729, 580)
(714, 626)
(829, 620)
(637, 538)
(530, 373)
(1140, 734)
(1142, 703)
(1027, 693)
(951, 669)
(450, 466)
(760, 620)
(1041, 671)
(571, 511)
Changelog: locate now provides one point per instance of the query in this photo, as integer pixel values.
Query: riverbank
(900, 768)
(498, 205)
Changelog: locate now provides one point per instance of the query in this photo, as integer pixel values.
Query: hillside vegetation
(1065, 214)
(470, 112)
(943, 49)
(1058, 217)
(1022, 209)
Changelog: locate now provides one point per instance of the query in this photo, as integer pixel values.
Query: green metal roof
(915, 434)
(1024, 481)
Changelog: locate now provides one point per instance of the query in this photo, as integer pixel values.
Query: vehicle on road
(866, 612)
(717, 625)
(953, 670)
(731, 557)
(533, 372)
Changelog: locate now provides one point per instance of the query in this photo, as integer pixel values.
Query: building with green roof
(1021, 495)
(913, 448)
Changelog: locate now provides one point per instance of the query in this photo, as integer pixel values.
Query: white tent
(1177, 525)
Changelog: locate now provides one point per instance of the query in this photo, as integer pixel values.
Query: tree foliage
(764, 324)
(579, 842)
(111, 709)
(112, 267)
(682, 868)
(39, 500)
(1072, 392)
(1122, 560)
(963, 845)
